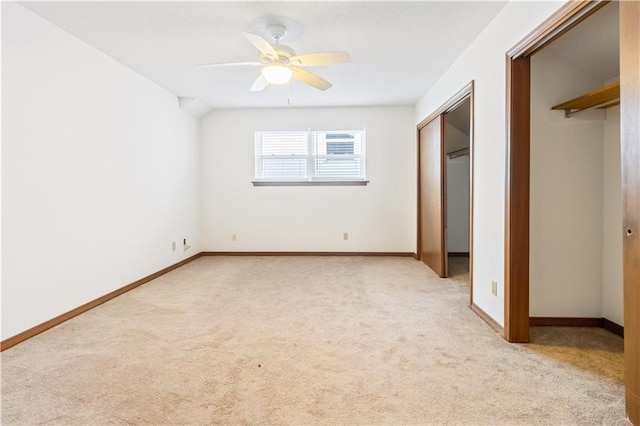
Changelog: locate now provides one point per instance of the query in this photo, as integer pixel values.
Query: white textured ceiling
(398, 49)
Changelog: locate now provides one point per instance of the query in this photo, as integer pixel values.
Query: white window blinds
(310, 155)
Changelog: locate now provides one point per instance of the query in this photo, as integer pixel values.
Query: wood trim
(472, 158)
(613, 327)
(568, 16)
(309, 253)
(444, 211)
(486, 318)
(565, 322)
(460, 96)
(630, 154)
(418, 199)
(21, 337)
(577, 322)
(516, 280)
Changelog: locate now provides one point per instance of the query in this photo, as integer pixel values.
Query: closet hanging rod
(568, 113)
(458, 153)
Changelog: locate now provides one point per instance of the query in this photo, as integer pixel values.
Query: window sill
(310, 182)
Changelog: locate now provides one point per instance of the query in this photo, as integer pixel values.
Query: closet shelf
(602, 98)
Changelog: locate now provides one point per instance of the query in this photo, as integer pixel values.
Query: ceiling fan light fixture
(280, 63)
(276, 74)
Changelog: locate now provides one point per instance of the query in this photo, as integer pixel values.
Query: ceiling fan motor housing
(284, 53)
(276, 31)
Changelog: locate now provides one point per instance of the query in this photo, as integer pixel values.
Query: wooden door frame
(516, 281)
(467, 92)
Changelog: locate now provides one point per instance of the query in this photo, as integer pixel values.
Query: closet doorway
(457, 143)
(575, 203)
(445, 187)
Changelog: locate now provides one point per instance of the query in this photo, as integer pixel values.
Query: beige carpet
(306, 340)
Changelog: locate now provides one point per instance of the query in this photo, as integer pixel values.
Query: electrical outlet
(173, 246)
(234, 237)
(185, 247)
(494, 288)
(345, 236)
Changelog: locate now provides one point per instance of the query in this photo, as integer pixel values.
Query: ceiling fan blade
(227, 64)
(259, 84)
(262, 45)
(310, 78)
(320, 58)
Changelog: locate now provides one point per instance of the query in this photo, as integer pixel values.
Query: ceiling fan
(280, 63)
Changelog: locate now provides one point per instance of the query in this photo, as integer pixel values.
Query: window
(339, 143)
(290, 157)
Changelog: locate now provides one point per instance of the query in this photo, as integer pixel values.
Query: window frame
(311, 157)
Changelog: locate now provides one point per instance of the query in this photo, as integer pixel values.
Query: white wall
(379, 217)
(566, 193)
(612, 282)
(458, 204)
(99, 173)
(484, 62)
